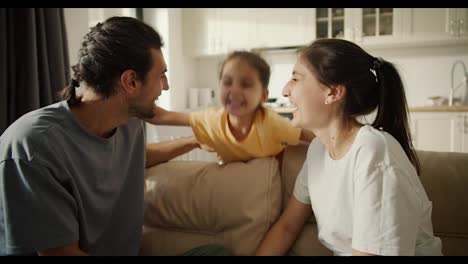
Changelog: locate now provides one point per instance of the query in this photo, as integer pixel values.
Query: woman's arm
(160, 152)
(284, 232)
(360, 253)
(169, 118)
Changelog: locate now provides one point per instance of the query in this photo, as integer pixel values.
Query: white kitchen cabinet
(373, 26)
(216, 31)
(281, 27)
(438, 23)
(364, 26)
(459, 18)
(464, 128)
(332, 23)
(236, 29)
(440, 131)
(201, 31)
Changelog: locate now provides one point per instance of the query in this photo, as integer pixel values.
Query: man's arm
(68, 250)
(160, 152)
(169, 118)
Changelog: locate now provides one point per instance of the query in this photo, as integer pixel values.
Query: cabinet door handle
(461, 27)
(452, 27)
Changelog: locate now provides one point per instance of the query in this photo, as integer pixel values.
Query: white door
(437, 131)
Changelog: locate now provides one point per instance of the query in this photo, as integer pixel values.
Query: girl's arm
(307, 135)
(157, 153)
(169, 118)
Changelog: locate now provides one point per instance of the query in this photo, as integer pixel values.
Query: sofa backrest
(444, 176)
(191, 203)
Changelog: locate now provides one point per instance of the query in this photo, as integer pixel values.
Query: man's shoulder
(31, 130)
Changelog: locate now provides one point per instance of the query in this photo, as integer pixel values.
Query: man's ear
(130, 82)
(265, 95)
(336, 93)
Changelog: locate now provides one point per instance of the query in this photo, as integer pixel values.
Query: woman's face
(307, 95)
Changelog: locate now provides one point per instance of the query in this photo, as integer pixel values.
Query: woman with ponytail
(360, 180)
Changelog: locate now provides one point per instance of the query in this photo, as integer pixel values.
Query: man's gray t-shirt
(60, 184)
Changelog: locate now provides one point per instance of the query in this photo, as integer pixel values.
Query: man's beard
(140, 111)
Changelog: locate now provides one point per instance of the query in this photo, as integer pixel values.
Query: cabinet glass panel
(322, 23)
(322, 29)
(369, 21)
(337, 28)
(322, 12)
(386, 21)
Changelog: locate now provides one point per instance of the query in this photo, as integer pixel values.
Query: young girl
(360, 180)
(242, 129)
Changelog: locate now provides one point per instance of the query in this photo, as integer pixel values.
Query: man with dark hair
(72, 173)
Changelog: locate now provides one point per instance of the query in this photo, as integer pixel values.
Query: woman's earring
(326, 101)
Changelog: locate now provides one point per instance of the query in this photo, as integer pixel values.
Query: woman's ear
(335, 94)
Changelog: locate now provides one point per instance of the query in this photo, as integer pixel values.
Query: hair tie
(377, 63)
(74, 83)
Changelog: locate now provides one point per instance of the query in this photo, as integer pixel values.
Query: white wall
(76, 23)
(79, 20)
(425, 72)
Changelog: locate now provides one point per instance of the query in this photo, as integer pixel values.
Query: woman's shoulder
(378, 147)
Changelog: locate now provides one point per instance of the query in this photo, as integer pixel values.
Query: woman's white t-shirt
(371, 200)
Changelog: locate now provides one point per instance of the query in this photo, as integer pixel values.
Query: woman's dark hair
(370, 83)
(254, 60)
(110, 48)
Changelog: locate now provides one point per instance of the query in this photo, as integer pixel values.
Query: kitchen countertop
(283, 109)
(442, 108)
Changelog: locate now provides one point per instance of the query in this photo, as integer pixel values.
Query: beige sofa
(190, 203)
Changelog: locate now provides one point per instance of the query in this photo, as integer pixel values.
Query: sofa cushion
(234, 204)
(444, 176)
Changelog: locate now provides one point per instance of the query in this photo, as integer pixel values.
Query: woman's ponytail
(392, 111)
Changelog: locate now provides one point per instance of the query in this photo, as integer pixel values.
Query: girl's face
(241, 89)
(307, 95)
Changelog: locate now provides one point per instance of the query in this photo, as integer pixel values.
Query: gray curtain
(34, 63)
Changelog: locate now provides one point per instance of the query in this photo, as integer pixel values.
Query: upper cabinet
(330, 22)
(201, 31)
(377, 25)
(214, 31)
(438, 23)
(281, 27)
(364, 26)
